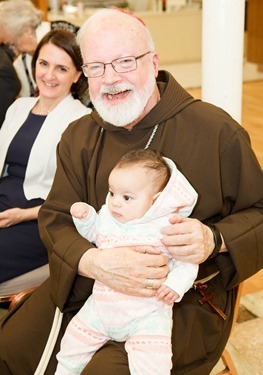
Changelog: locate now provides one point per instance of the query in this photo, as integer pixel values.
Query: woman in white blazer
(28, 141)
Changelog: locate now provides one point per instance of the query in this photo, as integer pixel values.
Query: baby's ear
(155, 197)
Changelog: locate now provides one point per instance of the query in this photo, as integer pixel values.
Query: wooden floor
(252, 121)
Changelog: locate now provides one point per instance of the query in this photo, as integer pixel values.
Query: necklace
(149, 140)
(44, 113)
(151, 136)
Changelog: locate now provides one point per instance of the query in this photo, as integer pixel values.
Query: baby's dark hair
(151, 160)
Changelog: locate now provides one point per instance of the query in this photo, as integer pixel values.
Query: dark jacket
(9, 82)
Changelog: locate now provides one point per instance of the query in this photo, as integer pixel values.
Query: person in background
(9, 82)
(28, 141)
(138, 106)
(145, 190)
(19, 20)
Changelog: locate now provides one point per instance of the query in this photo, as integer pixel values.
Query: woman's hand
(16, 215)
(188, 240)
(126, 270)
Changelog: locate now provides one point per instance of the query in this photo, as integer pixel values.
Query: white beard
(124, 113)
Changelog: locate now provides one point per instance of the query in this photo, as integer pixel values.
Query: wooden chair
(228, 363)
(13, 299)
(12, 291)
(230, 368)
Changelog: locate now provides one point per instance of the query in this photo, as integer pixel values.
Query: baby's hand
(79, 210)
(166, 294)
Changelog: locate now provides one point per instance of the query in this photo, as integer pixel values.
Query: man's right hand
(126, 269)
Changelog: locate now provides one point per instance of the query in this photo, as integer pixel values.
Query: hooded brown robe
(215, 155)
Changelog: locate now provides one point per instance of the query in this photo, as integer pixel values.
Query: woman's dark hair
(65, 40)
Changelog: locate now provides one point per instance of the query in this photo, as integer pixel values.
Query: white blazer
(41, 165)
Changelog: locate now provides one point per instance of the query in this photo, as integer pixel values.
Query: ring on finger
(149, 284)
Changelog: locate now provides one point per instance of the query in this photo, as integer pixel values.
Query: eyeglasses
(122, 65)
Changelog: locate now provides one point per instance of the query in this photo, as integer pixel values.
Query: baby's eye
(111, 193)
(126, 197)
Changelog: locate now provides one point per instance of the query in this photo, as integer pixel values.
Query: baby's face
(131, 193)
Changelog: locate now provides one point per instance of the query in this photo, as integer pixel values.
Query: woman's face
(55, 72)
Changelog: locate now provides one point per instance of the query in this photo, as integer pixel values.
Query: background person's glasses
(122, 65)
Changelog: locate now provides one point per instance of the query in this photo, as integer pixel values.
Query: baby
(145, 190)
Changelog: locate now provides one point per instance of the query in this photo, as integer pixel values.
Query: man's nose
(110, 75)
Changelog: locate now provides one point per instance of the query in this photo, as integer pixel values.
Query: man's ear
(155, 197)
(156, 59)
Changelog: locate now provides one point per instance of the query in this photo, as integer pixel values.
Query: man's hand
(188, 239)
(125, 270)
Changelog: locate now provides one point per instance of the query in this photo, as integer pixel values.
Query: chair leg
(228, 363)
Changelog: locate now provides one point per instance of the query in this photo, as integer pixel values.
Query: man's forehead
(112, 45)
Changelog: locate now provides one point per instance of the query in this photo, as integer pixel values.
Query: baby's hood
(178, 196)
